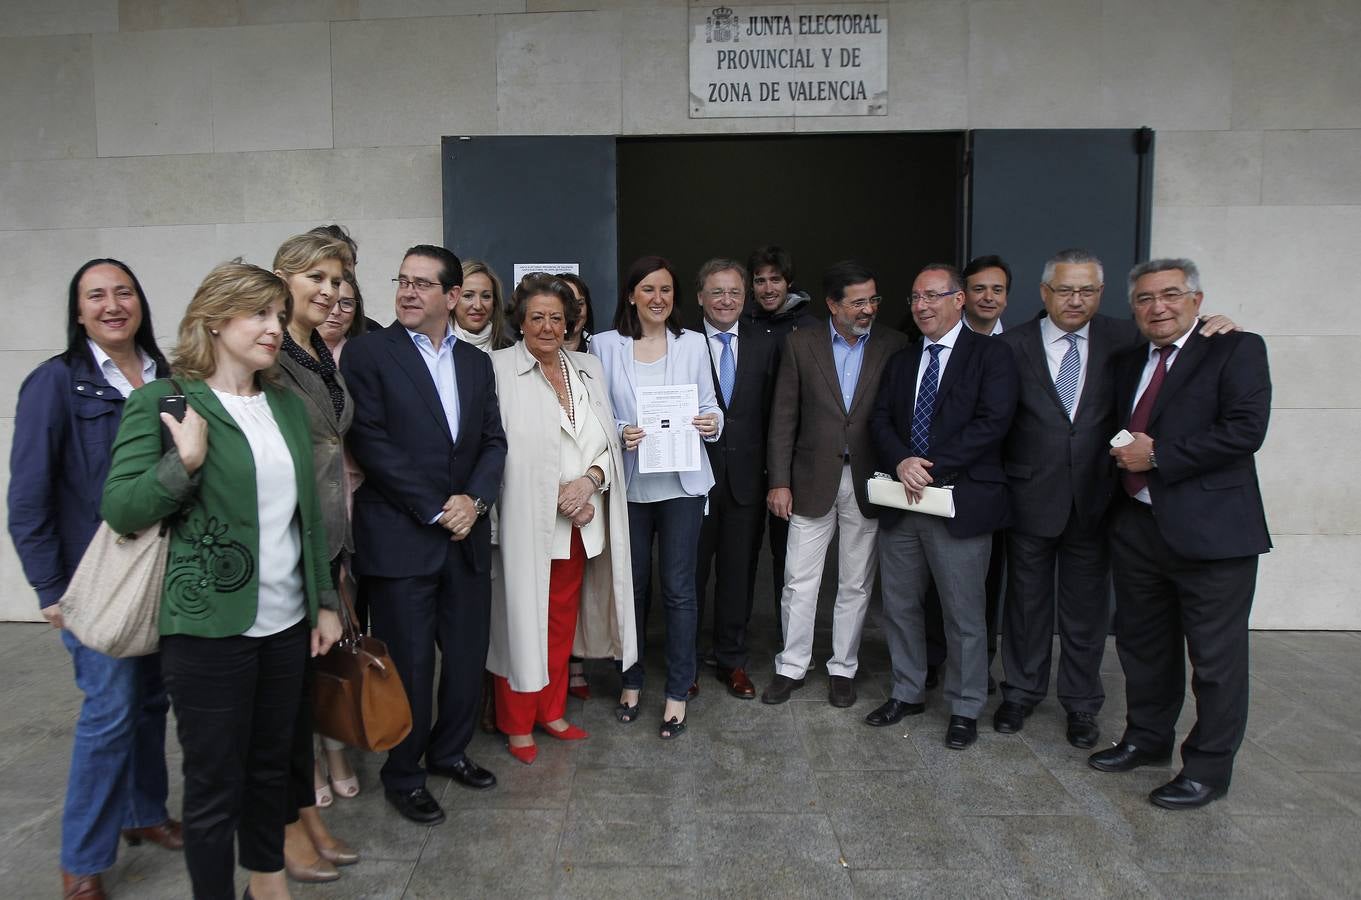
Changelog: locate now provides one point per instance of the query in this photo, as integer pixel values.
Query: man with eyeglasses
(744, 360)
(820, 458)
(427, 433)
(1061, 480)
(944, 407)
(1187, 531)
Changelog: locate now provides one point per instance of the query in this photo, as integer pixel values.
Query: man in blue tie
(943, 409)
(744, 362)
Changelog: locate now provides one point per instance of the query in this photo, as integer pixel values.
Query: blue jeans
(676, 524)
(118, 778)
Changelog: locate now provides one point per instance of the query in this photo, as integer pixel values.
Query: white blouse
(281, 601)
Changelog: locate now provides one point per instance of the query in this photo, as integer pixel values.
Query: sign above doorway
(752, 60)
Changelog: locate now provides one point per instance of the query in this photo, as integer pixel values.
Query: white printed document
(666, 414)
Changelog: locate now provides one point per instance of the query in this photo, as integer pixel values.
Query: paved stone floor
(799, 800)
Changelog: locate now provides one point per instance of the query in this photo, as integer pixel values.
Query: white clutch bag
(885, 490)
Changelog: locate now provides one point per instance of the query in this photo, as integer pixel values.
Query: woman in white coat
(563, 579)
(648, 348)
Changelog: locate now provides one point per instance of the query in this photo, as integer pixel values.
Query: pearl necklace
(567, 402)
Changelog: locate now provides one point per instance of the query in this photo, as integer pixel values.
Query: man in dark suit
(819, 458)
(943, 409)
(1187, 532)
(1060, 481)
(744, 360)
(427, 433)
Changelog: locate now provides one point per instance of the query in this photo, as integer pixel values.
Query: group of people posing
(471, 474)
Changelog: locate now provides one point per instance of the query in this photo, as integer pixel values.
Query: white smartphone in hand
(1123, 438)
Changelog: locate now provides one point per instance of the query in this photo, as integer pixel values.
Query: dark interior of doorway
(893, 201)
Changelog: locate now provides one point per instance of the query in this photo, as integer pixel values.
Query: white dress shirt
(1056, 346)
(716, 346)
(440, 362)
(114, 375)
(948, 342)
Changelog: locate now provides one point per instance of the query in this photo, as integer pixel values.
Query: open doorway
(893, 201)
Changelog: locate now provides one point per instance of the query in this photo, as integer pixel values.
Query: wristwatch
(479, 506)
(1152, 459)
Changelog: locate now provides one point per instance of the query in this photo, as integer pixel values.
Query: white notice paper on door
(666, 414)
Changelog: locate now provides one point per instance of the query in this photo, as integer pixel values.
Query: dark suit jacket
(400, 438)
(1208, 421)
(1055, 466)
(738, 457)
(974, 405)
(809, 427)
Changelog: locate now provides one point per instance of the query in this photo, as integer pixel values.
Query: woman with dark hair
(578, 339)
(346, 319)
(562, 570)
(313, 266)
(648, 348)
(248, 594)
(64, 427)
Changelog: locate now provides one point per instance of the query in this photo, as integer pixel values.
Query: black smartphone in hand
(173, 404)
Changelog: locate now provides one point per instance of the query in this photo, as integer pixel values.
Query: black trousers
(449, 610)
(936, 650)
(1168, 607)
(729, 541)
(235, 701)
(1084, 614)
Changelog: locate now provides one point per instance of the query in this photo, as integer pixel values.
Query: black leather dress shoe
(1083, 730)
(840, 691)
(1010, 717)
(417, 805)
(467, 773)
(1183, 793)
(932, 677)
(1125, 758)
(962, 732)
(892, 712)
(779, 689)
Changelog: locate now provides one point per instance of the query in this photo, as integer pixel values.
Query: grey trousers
(915, 550)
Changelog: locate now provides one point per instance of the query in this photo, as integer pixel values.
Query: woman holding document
(648, 351)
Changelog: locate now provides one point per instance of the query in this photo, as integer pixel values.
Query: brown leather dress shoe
(169, 834)
(81, 887)
(739, 685)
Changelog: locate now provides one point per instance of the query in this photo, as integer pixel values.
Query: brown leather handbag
(357, 696)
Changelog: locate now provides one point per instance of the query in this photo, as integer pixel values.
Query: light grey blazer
(687, 362)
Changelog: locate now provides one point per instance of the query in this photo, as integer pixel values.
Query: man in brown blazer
(819, 458)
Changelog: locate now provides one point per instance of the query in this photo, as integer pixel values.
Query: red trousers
(518, 711)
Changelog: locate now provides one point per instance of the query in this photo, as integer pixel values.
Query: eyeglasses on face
(345, 305)
(419, 284)
(720, 293)
(931, 297)
(1167, 295)
(1066, 291)
(864, 303)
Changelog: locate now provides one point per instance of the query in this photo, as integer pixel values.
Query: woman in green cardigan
(248, 591)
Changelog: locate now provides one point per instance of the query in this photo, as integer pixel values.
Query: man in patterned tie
(744, 360)
(944, 406)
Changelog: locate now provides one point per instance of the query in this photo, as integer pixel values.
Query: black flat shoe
(892, 712)
(932, 677)
(779, 689)
(671, 728)
(962, 732)
(1126, 758)
(1083, 730)
(467, 773)
(1010, 717)
(1183, 793)
(416, 805)
(841, 691)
